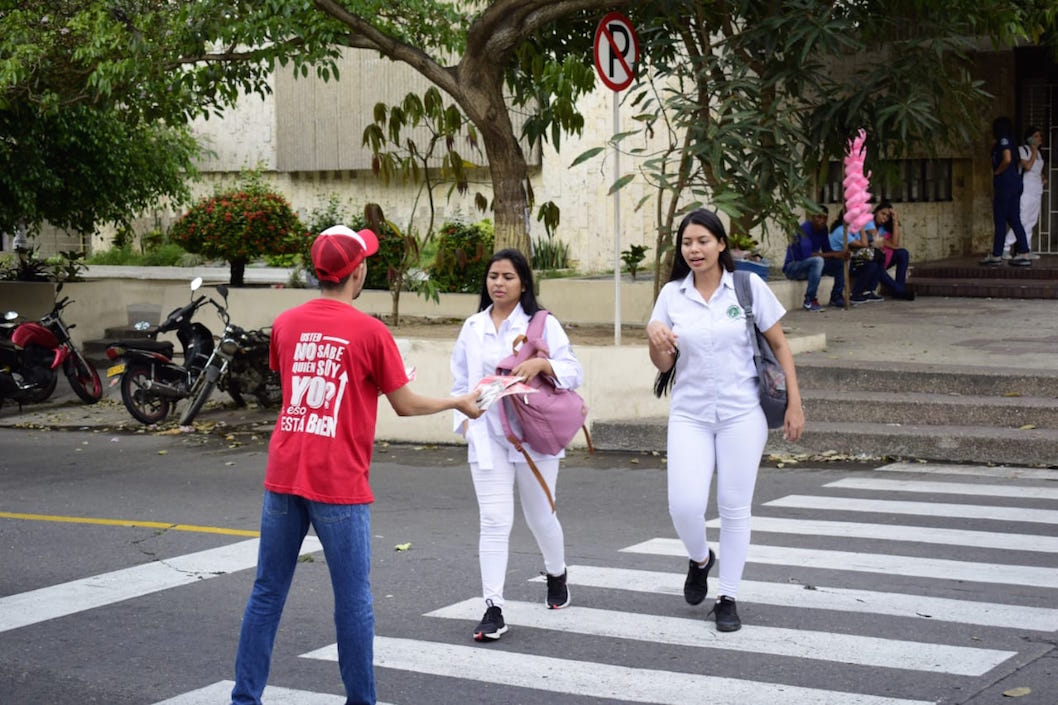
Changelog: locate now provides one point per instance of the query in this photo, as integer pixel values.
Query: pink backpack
(549, 417)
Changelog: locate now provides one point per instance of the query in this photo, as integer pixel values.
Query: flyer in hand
(495, 387)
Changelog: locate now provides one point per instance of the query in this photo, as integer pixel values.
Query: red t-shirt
(334, 362)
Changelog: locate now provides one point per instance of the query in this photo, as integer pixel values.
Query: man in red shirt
(334, 361)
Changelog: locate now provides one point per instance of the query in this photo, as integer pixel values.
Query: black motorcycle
(31, 354)
(152, 383)
(238, 364)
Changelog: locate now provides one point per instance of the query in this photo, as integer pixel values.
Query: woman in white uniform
(507, 303)
(700, 344)
(1032, 183)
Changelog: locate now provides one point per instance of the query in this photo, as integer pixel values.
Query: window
(899, 181)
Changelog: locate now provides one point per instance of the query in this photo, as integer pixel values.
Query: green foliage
(166, 254)
(550, 253)
(24, 265)
(633, 258)
(241, 225)
(463, 254)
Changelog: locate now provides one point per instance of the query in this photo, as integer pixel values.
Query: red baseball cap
(338, 250)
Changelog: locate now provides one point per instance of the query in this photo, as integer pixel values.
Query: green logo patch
(733, 311)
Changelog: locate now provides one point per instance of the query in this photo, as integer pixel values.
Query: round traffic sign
(616, 51)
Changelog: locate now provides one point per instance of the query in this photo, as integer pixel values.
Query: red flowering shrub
(240, 226)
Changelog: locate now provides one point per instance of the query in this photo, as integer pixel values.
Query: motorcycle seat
(159, 346)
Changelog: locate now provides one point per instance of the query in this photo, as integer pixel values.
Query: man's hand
(468, 404)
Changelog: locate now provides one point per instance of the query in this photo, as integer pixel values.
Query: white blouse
(478, 350)
(715, 376)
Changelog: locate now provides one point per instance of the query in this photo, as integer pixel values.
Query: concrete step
(949, 443)
(901, 408)
(953, 414)
(990, 287)
(820, 374)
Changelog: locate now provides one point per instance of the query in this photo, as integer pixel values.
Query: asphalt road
(883, 604)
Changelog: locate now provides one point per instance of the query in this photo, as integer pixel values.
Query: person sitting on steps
(809, 256)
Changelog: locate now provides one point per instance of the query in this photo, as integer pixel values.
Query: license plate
(115, 370)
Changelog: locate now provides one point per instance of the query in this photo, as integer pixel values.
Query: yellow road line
(131, 522)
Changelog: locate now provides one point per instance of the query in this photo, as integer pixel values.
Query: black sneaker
(492, 625)
(697, 584)
(557, 592)
(726, 615)
(872, 297)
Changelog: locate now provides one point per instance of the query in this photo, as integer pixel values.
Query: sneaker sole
(490, 636)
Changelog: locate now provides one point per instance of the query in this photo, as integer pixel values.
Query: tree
(757, 97)
(240, 225)
(94, 99)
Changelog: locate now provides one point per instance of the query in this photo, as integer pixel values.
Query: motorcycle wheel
(83, 378)
(270, 393)
(41, 393)
(201, 390)
(144, 406)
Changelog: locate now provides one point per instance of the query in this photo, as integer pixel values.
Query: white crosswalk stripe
(937, 568)
(801, 643)
(598, 680)
(887, 485)
(917, 534)
(69, 598)
(922, 509)
(937, 609)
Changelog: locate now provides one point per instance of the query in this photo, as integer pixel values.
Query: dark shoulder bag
(771, 378)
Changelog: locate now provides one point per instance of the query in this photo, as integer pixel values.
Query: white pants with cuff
(495, 492)
(733, 449)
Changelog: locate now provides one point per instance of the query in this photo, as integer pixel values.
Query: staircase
(971, 415)
(964, 276)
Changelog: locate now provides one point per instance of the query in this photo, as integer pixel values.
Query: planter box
(760, 268)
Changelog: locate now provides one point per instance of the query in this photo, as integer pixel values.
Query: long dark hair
(884, 204)
(525, 273)
(1002, 127)
(680, 269)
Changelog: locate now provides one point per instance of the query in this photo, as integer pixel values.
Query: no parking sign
(616, 49)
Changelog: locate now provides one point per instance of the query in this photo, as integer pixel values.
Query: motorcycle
(152, 383)
(239, 363)
(32, 354)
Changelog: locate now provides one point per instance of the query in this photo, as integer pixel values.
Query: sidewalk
(929, 333)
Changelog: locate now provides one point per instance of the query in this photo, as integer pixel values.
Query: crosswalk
(826, 573)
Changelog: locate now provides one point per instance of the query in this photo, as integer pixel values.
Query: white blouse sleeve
(766, 307)
(460, 373)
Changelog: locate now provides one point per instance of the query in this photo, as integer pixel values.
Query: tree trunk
(238, 269)
(481, 97)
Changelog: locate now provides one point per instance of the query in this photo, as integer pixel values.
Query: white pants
(495, 491)
(733, 448)
(1030, 213)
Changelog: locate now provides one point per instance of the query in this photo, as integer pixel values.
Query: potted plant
(747, 256)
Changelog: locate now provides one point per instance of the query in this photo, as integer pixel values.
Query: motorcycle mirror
(195, 284)
(10, 315)
(58, 287)
(222, 289)
(141, 325)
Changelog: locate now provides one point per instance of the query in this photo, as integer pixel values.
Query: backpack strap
(534, 336)
(745, 299)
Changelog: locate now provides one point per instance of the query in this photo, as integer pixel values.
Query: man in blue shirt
(809, 256)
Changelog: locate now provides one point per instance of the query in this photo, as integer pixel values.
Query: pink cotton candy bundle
(857, 210)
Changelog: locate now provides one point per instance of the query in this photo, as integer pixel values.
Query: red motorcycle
(30, 360)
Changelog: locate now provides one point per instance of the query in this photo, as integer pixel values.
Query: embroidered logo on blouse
(733, 311)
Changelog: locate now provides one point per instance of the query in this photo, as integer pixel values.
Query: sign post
(616, 49)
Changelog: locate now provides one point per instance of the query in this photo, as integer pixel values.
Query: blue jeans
(344, 531)
(1006, 208)
(810, 269)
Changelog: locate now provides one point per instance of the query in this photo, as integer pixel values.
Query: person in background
(1006, 197)
(1033, 180)
(812, 241)
(864, 271)
(506, 304)
(887, 240)
(334, 361)
(699, 343)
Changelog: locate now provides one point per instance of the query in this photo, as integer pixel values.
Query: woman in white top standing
(700, 344)
(507, 303)
(1032, 183)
